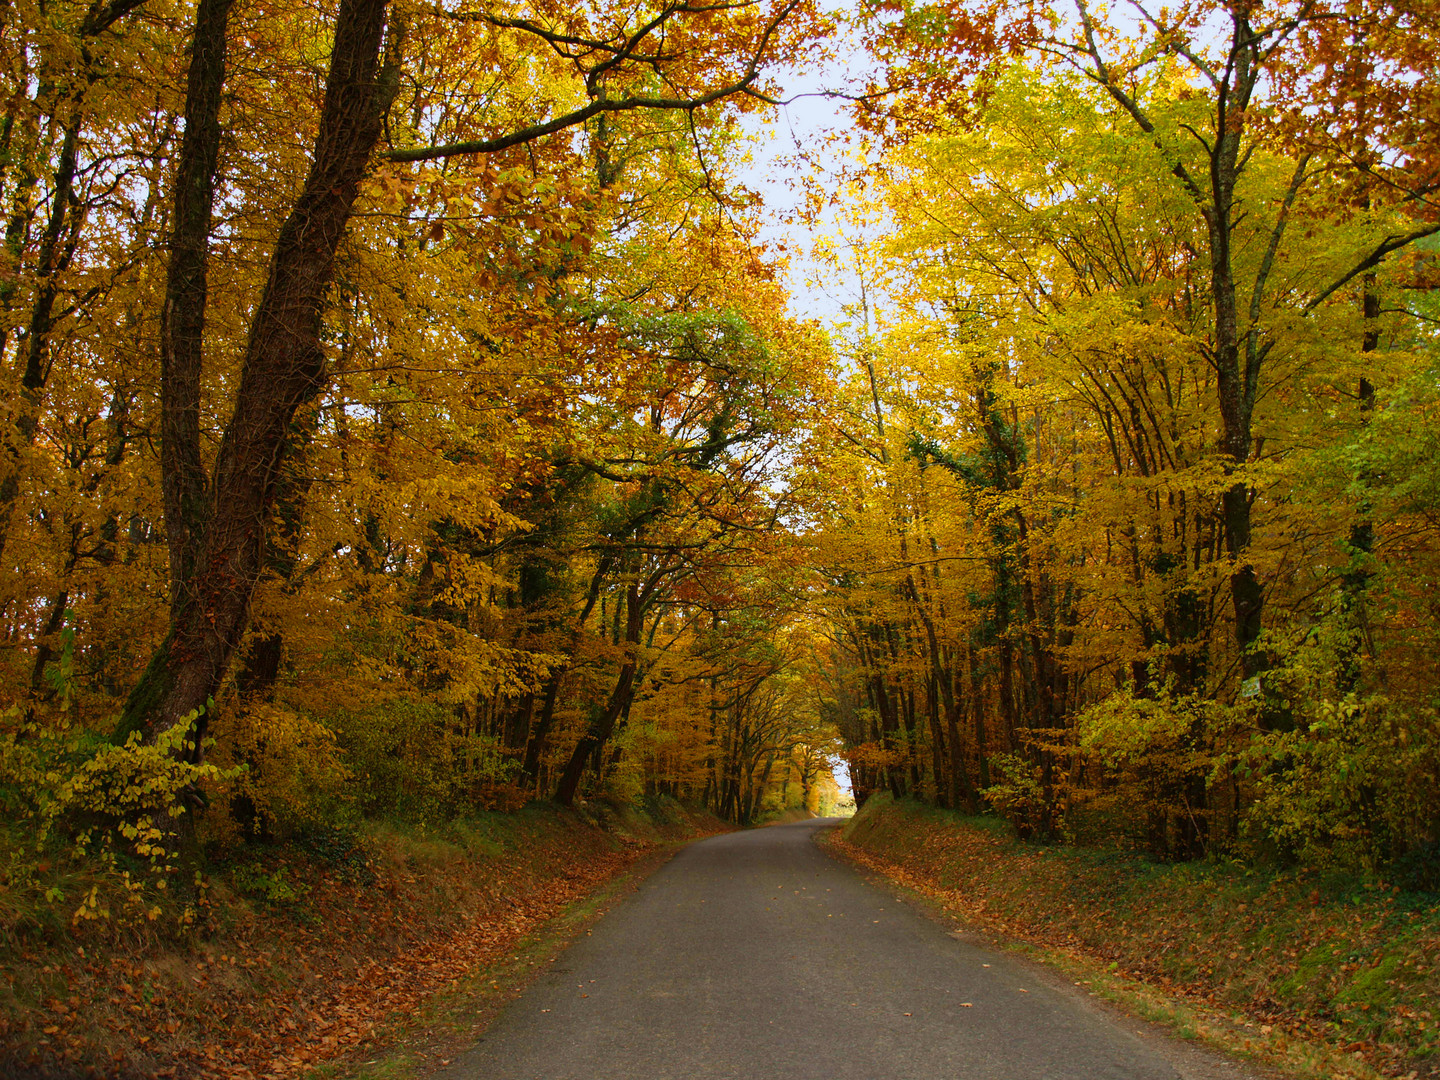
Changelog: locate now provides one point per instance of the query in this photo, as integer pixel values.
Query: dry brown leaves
(271, 996)
(999, 899)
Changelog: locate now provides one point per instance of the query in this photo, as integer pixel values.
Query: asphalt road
(755, 954)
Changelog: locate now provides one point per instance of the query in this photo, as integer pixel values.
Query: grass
(1321, 967)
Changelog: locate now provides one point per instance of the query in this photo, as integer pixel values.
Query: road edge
(453, 1019)
(1178, 1019)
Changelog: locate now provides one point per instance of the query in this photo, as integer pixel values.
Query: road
(756, 955)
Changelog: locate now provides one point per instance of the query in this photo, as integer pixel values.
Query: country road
(756, 955)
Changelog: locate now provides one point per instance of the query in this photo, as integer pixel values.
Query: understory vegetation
(279, 959)
(1306, 956)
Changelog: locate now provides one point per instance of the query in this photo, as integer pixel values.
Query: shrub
(408, 759)
(1351, 786)
(119, 805)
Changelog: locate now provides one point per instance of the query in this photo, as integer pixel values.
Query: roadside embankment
(308, 952)
(1302, 957)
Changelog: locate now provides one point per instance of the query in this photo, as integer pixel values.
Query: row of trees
(1140, 536)
(401, 415)
(396, 404)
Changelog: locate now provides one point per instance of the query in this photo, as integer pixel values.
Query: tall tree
(219, 538)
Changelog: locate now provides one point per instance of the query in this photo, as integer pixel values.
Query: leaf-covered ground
(309, 955)
(1296, 959)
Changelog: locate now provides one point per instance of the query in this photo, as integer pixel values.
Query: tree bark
(1355, 582)
(182, 316)
(619, 701)
(977, 713)
(284, 366)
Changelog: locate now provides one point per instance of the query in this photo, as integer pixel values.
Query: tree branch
(605, 105)
(1386, 247)
(101, 17)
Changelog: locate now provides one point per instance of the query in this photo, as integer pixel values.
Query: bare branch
(101, 17)
(1173, 43)
(530, 133)
(1101, 74)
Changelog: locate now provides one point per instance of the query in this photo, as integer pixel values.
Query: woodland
(403, 419)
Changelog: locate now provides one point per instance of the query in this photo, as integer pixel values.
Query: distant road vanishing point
(755, 954)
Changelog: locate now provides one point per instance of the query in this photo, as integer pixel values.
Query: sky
(780, 137)
(816, 291)
(777, 175)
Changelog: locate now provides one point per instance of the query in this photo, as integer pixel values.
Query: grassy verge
(412, 1046)
(315, 952)
(1322, 976)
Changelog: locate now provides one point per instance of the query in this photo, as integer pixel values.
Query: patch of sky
(800, 155)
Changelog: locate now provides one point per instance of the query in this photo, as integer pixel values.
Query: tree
(1046, 376)
(1224, 56)
(217, 527)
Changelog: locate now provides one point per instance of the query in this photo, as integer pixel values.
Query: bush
(294, 778)
(407, 759)
(1352, 787)
(1153, 763)
(119, 806)
(1017, 794)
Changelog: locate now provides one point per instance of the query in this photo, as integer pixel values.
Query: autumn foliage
(402, 461)
(1137, 541)
(397, 415)
(402, 420)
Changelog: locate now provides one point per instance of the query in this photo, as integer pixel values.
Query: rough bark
(977, 711)
(182, 317)
(944, 785)
(1355, 582)
(284, 366)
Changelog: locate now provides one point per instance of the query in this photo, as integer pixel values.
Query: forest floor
(313, 958)
(1312, 975)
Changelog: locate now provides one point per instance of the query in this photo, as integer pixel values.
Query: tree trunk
(977, 709)
(45, 652)
(944, 794)
(182, 317)
(1355, 582)
(535, 745)
(1235, 381)
(284, 366)
(619, 701)
(61, 235)
(54, 258)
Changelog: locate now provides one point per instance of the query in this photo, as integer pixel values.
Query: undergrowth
(1349, 960)
(295, 950)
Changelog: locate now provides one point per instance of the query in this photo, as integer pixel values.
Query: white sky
(777, 173)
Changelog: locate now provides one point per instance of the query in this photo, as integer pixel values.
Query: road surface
(756, 955)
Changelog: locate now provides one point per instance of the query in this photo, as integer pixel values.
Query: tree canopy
(404, 415)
